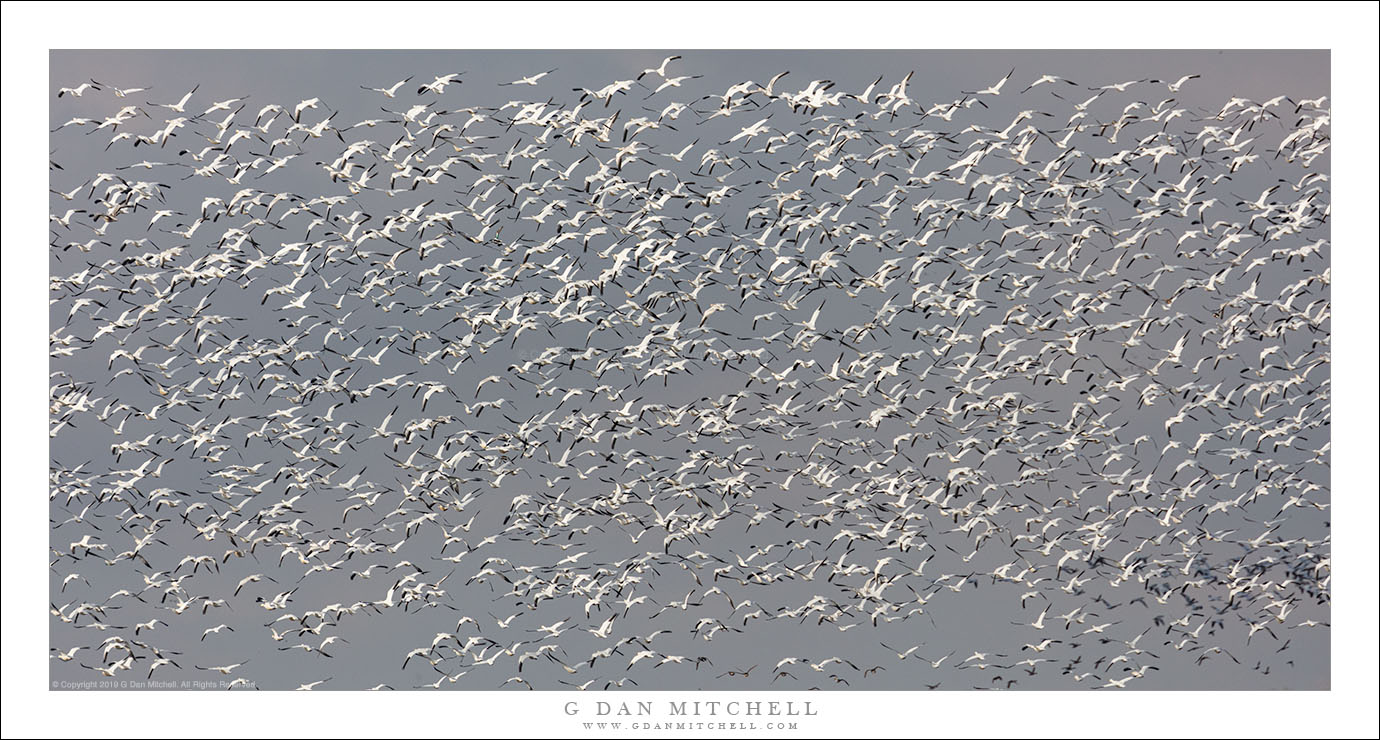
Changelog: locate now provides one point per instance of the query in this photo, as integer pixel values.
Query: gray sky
(978, 617)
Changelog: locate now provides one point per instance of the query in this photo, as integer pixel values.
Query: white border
(1349, 30)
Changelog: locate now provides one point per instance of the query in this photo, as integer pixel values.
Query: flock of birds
(789, 385)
